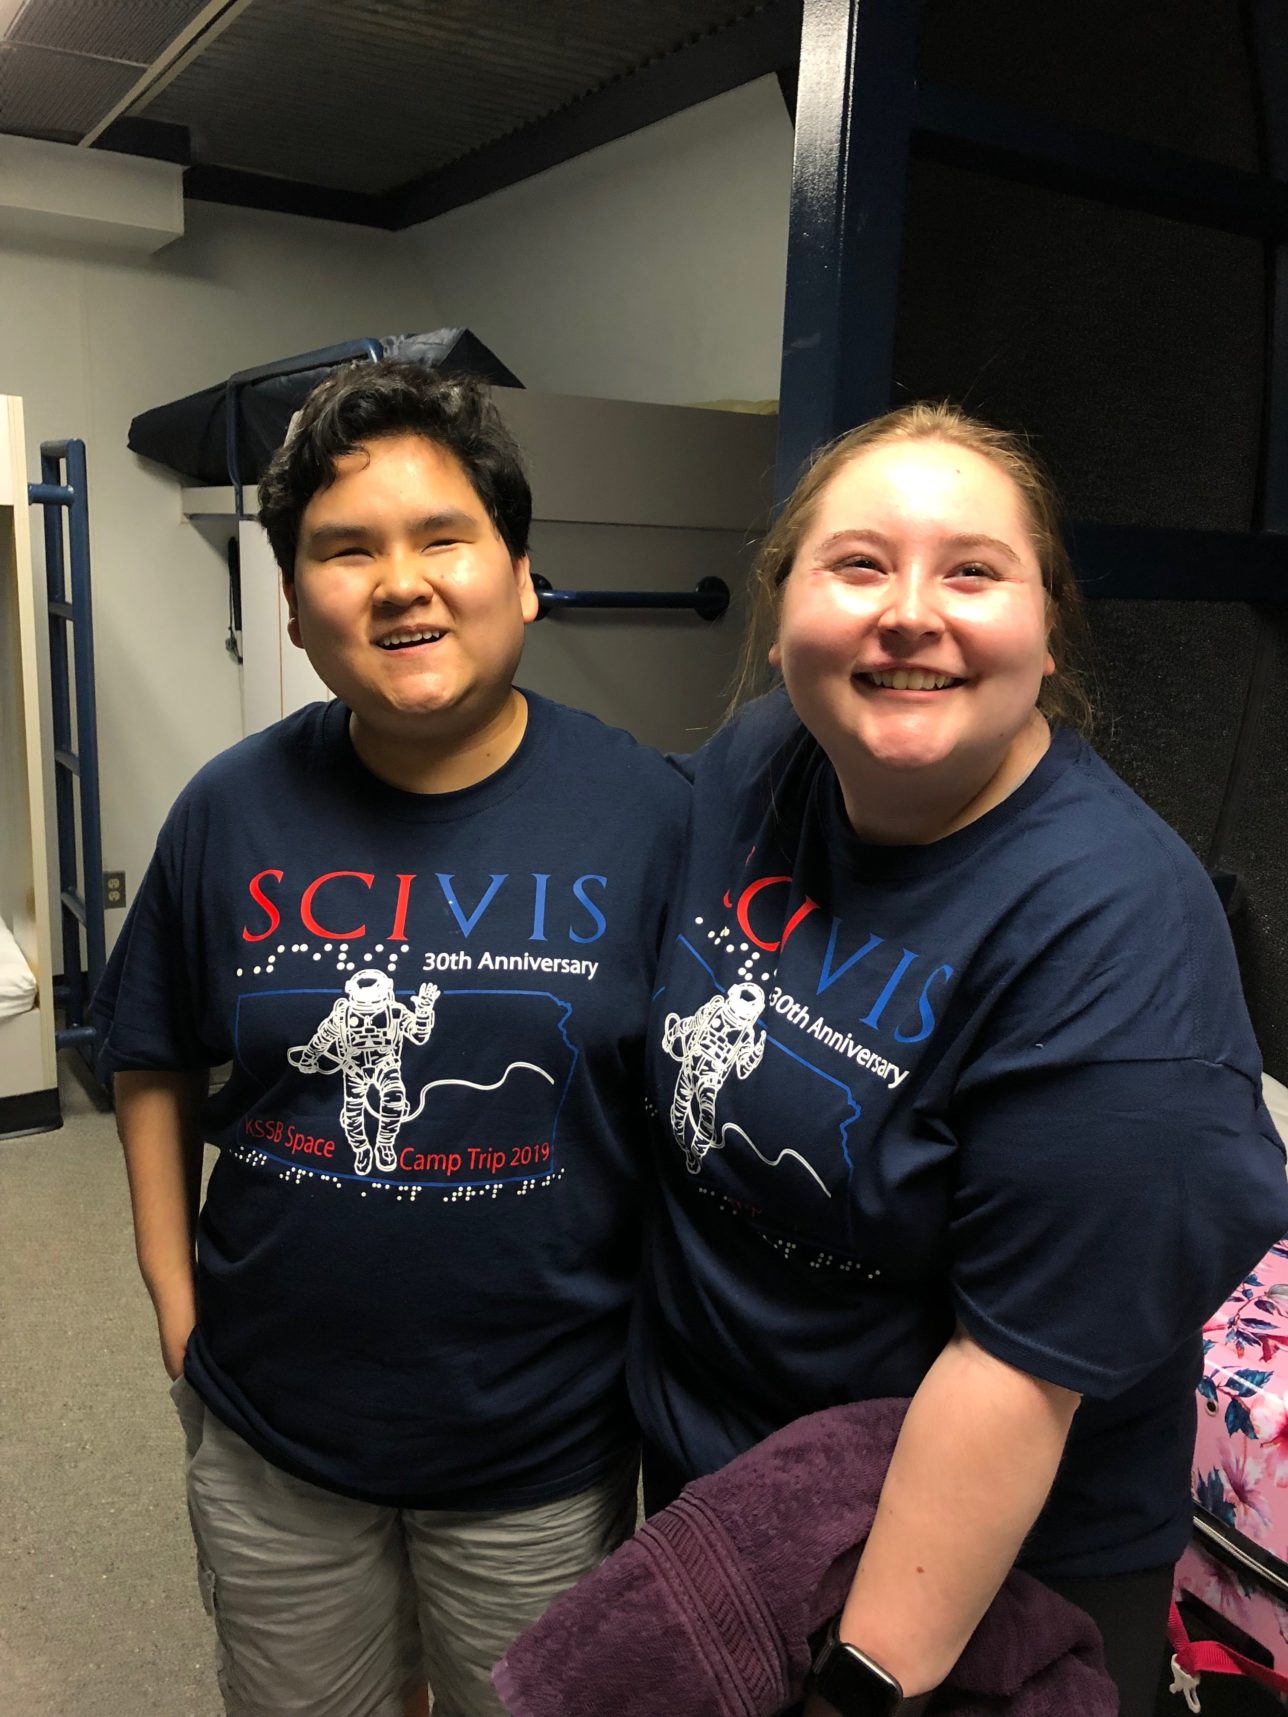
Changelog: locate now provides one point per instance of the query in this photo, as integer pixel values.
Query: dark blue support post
(855, 106)
(75, 732)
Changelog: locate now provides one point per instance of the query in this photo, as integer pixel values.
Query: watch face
(853, 1685)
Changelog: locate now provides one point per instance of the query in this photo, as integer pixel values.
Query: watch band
(855, 1685)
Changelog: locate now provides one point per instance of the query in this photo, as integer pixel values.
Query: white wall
(88, 342)
(650, 269)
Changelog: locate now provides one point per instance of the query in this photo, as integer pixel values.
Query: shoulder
(1122, 848)
(763, 739)
(605, 760)
(1103, 916)
(288, 750)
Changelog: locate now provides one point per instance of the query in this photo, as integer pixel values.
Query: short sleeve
(1104, 1211)
(145, 1008)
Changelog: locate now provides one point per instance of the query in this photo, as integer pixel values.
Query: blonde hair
(1065, 694)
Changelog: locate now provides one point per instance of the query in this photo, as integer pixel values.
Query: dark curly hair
(364, 402)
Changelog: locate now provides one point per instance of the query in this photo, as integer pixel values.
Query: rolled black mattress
(190, 435)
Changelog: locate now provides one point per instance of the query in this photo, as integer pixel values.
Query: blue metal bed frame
(75, 732)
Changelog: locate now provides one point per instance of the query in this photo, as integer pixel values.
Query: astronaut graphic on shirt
(720, 1039)
(362, 1038)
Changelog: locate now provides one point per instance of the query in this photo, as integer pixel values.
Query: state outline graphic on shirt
(362, 1038)
(719, 1040)
(375, 1036)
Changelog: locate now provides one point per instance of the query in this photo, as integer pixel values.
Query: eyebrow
(960, 539)
(451, 518)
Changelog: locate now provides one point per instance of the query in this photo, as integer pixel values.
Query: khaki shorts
(328, 1607)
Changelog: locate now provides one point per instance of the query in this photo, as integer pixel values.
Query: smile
(909, 680)
(405, 640)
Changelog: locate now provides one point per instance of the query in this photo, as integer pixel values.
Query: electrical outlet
(113, 888)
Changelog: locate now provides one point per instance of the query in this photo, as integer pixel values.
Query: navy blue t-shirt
(419, 1242)
(1006, 1079)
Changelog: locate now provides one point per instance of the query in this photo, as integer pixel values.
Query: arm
(750, 1054)
(974, 1462)
(675, 1036)
(157, 1122)
(421, 1018)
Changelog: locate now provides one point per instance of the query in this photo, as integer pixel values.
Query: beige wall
(89, 341)
(650, 269)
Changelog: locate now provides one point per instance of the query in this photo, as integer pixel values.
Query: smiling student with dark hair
(420, 922)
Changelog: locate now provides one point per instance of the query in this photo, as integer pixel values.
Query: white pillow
(17, 982)
(1276, 1099)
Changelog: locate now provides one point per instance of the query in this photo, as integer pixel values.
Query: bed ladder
(71, 671)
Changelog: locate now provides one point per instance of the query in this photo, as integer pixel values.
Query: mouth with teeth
(408, 640)
(909, 680)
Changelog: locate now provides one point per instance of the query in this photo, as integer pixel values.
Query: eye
(974, 571)
(856, 563)
(353, 551)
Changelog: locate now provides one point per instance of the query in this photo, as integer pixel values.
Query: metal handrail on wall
(75, 729)
(708, 599)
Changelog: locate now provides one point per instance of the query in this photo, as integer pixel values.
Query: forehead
(922, 484)
(396, 473)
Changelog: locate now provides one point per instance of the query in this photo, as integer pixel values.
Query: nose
(911, 610)
(402, 577)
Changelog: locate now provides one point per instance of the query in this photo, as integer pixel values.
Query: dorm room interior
(685, 251)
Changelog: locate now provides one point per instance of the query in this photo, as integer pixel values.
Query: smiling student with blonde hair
(958, 1098)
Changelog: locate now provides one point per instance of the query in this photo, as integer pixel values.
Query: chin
(400, 712)
(907, 760)
(902, 751)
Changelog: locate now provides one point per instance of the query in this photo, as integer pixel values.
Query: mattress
(189, 435)
(1276, 1098)
(17, 980)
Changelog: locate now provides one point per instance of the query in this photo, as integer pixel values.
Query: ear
(1048, 665)
(293, 610)
(775, 655)
(528, 604)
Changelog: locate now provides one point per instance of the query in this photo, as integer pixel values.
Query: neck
(915, 808)
(443, 763)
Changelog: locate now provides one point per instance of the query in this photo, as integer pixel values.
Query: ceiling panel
(366, 98)
(60, 96)
(134, 30)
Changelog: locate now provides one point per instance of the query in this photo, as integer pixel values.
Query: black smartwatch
(854, 1686)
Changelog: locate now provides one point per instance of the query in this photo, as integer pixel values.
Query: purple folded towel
(708, 1610)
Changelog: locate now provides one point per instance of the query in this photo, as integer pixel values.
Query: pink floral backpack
(1232, 1582)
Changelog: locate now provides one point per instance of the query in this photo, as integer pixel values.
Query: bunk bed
(651, 508)
(28, 1066)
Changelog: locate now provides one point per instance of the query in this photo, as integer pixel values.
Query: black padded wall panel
(1170, 72)
(1256, 849)
(1129, 346)
(1133, 350)
(1171, 679)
